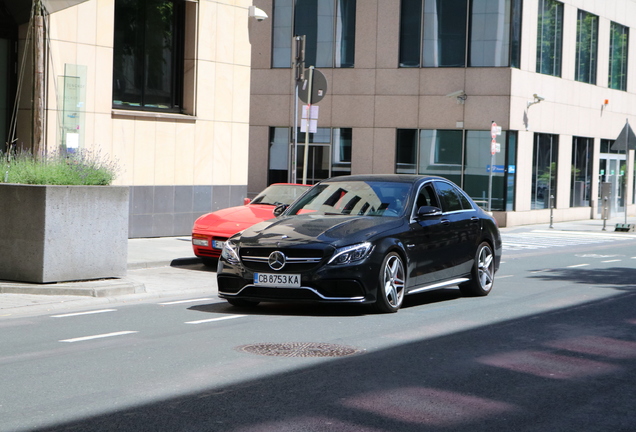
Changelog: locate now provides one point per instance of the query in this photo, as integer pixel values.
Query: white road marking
(185, 301)
(541, 239)
(100, 336)
(608, 261)
(504, 276)
(83, 313)
(215, 319)
(578, 265)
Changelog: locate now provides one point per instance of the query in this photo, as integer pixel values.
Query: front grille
(297, 260)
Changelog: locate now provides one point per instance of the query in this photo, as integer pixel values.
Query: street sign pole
(306, 153)
(493, 149)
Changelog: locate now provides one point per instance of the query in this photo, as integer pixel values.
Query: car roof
(399, 178)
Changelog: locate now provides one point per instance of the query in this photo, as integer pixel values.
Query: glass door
(612, 171)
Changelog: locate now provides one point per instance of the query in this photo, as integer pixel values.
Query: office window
(549, 37)
(148, 55)
(329, 154)
(619, 37)
(544, 171)
(463, 157)
(433, 33)
(581, 182)
(329, 27)
(586, 47)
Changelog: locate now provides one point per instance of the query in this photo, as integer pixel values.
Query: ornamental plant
(82, 167)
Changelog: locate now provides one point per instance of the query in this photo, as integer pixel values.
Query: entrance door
(318, 162)
(612, 171)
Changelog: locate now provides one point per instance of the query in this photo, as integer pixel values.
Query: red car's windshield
(278, 194)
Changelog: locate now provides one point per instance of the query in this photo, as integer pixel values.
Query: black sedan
(364, 239)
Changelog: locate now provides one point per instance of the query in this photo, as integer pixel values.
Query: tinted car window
(426, 197)
(449, 197)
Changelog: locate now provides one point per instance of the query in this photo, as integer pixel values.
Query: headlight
(200, 240)
(230, 253)
(351, 254)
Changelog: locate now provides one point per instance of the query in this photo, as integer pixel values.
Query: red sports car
(212, 229)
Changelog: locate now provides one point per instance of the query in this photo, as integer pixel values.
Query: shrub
(80, 168)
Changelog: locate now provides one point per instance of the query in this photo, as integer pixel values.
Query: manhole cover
(299, 349)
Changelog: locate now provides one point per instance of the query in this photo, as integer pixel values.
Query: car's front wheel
(482, 274)
(392, 280)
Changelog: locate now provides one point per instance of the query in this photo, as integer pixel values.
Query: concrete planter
(63, 233)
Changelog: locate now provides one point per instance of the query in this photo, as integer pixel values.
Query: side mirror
(246, 201)
(280, 209)
(428, 211)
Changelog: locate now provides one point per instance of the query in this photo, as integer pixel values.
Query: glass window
(278, 155)
(148, 54)
(329, 27)
(341, 153)
(468, 164)
(489, 34)
(549, 37)
(440, 153)
(586, 47)
(444, 39)
(433, 33)
(448, 196)
(329, 154)
(544, 171)
(582, 156)
(619, 37)
(282, 32)
(410, 33)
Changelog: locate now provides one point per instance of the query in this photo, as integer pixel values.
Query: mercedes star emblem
(276, 260)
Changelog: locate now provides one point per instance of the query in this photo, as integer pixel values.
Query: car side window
(426, 197)
(449, 197)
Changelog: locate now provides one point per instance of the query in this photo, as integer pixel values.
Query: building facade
(414, 86)
(161, 87)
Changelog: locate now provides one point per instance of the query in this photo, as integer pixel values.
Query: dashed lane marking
(185, 301)
(83, 313)
(215, 319)
(99, 336)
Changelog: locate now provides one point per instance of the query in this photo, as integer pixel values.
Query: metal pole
(306, 155)
(492, 168)
(604, 212)
(551, 210)
(294, 173)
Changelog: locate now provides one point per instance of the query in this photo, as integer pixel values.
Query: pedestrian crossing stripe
(541, 239)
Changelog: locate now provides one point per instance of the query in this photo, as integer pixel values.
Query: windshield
(279, 194)
(359, 198)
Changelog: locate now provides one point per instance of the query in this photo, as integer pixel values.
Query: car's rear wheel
(482, 274)
(392, 280)
(242, 303)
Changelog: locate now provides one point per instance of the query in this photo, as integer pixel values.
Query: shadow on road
(566, 370)
(616, 278)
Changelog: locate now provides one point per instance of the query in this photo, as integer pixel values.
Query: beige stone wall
(206, 146)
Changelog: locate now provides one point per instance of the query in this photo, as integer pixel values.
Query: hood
(234, 219)
(304, 229)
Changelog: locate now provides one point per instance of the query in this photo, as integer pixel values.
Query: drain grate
(299, 349)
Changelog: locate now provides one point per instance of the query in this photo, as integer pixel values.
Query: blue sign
(498, 169)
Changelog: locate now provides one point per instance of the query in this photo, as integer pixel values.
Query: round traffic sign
(318, 87)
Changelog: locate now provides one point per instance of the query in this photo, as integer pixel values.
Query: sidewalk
(166, 267)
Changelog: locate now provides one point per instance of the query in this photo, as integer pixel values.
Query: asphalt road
(552, 348)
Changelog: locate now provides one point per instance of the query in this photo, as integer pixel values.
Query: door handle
(445, 222)
(474, 219)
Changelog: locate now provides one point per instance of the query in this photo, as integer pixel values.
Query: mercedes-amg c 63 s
(364, 239)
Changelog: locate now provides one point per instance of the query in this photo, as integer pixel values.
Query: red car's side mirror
(246, 201)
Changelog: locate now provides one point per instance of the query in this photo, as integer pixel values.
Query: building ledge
(154, 115)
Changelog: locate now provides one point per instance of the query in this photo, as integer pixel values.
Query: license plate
(218, 244)
(277, 280)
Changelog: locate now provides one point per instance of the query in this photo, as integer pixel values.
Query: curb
(100, 288)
